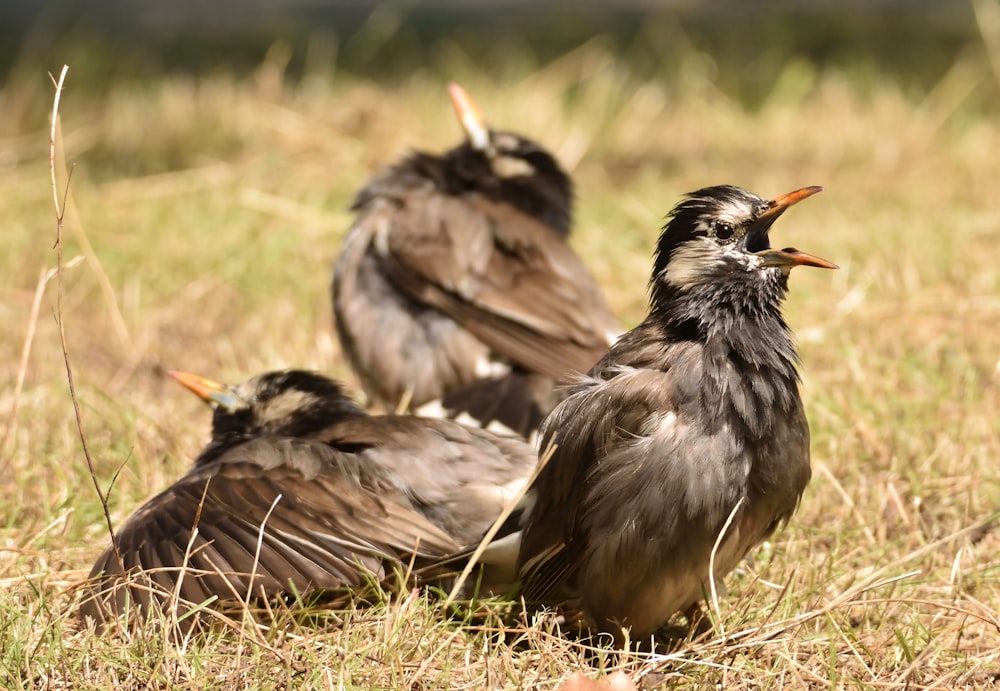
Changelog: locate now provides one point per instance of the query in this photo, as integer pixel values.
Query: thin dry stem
(497, 524)
(59, 207)
(253, 570)
(175, 596)
(711, 564)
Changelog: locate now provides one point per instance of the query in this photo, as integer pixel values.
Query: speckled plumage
(456, 277)
(330, 495)
(692, 416)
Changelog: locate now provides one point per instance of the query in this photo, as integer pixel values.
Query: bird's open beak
(212, 392)
(789, 256)
(471, 117)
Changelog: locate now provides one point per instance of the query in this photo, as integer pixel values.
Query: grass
(207, 211)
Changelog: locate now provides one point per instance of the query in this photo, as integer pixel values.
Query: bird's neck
(738, 350)
(738, 319)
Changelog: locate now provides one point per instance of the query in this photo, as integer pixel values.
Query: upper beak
(212, 392)
(470, 116)
(789, 256)
(779, 204)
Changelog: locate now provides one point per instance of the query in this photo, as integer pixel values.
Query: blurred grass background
(214, 151)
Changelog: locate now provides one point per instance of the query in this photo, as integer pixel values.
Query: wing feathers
(290, 533)
(504, 276)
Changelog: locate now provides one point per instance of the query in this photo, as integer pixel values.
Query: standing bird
(456, 281)
(692, 420)
(298, 490)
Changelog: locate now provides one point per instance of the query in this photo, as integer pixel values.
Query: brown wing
(288, 515)
(460, 477)
(590, 430)
(505, 277)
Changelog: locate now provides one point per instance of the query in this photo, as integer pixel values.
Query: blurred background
(215, 148)
(913, 40)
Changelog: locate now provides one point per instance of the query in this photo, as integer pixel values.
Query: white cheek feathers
(285, 405)
(703, 260)
(511, 167)
(691, 262)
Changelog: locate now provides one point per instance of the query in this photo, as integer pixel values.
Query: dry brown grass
(207, 213)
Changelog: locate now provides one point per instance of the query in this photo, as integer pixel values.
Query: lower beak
(792, 257)
(212, 392)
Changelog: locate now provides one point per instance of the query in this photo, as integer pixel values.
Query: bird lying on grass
(688, 432)
(456, 281)
(300, 490)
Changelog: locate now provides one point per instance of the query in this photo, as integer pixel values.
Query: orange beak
(471, 118)
(789, 256)
(212, 392)
(783, 201)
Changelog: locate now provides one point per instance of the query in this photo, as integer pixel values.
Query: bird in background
(691, 427)
(456, 286)
(300, 490)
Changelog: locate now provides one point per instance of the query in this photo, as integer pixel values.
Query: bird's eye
(723, 231)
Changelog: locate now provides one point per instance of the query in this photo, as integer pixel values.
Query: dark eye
(723, 231)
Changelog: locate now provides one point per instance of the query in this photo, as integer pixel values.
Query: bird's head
(718, 239)
(292, 403)
(509, 167)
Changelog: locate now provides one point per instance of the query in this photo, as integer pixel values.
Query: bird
(690, 429)
(456, 287)
(301, 490)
